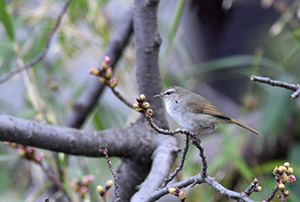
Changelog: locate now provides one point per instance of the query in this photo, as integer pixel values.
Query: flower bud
(13, 144)
(108, 73)
(142, 97)
(83, 190)
(286, 193)
(74, 185)
(113, 82)
(290, 170)
(286, 164)
(282, 169)
(139, 109)
(87, 179)
(100, 190)
(94, 71)
(285, 177)
(173, 190)
(107, 60)
(21, 152)
(146, 105)
(31, 149)
(281, 186)
(136, 106)
(182, 195)
(292, 178)
(109, 184)
(149, 112)
(258, 188)
(102, 79)
(275, 171)
(39, 156)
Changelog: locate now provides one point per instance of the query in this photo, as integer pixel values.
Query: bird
(194, 112)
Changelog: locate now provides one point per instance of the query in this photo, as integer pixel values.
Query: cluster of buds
(82, 186)
(103, 191)
(105, 73)
(28, 153)
(179, 193)
(142, 106)
(283, 175)
(256, 187)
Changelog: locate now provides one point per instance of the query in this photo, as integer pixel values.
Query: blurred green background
(210, 47)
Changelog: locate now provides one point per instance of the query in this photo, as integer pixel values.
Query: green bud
(287, 192)
(146, 105)
(182, 195)
(100, 190)
(109, 183)
(149, 112)
(102, 79)
(135, 105)
(281, 186)
(113, 83)
(282, 169)
(108, 73)
(105, 65)
(142, 97)
(290, 170)
(259, 188)
(173, 190)
(286, 164)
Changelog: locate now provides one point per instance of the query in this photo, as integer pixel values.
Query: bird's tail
(246, 127)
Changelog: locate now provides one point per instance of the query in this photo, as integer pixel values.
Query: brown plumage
(194, 111)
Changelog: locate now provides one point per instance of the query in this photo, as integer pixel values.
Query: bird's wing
(202, 105)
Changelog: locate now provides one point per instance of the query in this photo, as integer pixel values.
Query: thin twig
(113, 172)
(272, 194)
(296, 93)
(169, 132)
(42, 54)
(183, 157)
(121, 97)
(195, 140)
(55, 180)
(251, 187)
(197, 143)
(293, 87)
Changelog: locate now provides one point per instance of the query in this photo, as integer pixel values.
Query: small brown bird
(194, 112)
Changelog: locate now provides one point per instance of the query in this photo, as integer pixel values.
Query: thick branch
(147, 43)
(74, 141)
(163, 158)
(90, 96)
(42, 54)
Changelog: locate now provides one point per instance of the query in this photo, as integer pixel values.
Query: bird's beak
(158, 95)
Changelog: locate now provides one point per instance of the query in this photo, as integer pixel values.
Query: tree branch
(89, 98)
(293, 87)
(163, 158)
(113, 172)
(147, 43)
(42, 54)
(198, 179)
(74, 141)
(183, 157)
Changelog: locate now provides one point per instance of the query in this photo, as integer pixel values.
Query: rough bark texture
(147, 42)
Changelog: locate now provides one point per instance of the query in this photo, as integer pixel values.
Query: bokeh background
(210, 47)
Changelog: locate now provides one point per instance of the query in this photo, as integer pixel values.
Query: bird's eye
(168, 92)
